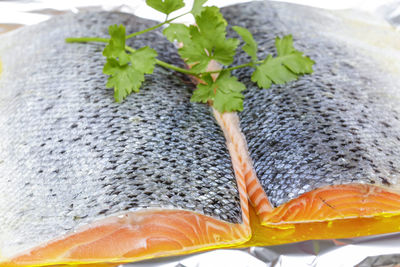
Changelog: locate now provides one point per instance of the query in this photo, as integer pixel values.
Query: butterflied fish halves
(84, 179)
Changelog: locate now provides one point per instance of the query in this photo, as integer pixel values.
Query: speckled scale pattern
(69, 154)
(340, 125)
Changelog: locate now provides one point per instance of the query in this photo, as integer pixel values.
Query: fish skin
(70, 155)
(339, 125)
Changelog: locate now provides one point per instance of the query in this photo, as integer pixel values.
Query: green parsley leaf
(127, 78)
(225, 51)
(211, 17)
(284, 46)
(166, 6)
(261, 79)
(144, 59)
(228, 97)
(116, 46)
(275, 70)
(124, 79)
(250, 46)
(225, 92)
(286, 67)
(179, 32)
(198, 7)
(204, 92)
(208, 41)
(294, 59)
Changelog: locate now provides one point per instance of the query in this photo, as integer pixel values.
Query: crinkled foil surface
(380, 250)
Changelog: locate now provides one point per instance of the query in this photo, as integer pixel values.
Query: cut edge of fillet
(136, 236)
(334, 202)
(237, 146)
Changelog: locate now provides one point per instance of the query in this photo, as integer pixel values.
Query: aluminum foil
(371, 251)
(379, 250)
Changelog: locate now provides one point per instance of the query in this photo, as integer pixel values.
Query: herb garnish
(201, 43)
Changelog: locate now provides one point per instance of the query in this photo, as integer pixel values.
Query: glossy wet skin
(70, 155)
(340, 125)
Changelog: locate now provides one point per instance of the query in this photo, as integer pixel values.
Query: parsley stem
(105, 40)
(182, 70)
(167, 65)
(86, 40)
(229, 69)
(156, 26)
(159, 62)
(249, 64)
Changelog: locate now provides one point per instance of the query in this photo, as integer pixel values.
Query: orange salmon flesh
(136, 236)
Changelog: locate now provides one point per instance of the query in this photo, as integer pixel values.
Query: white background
(31, 12)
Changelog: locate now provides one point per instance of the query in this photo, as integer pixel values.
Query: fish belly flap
(136, 236)
(335, 202)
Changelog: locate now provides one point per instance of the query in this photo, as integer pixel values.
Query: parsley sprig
(201, 43)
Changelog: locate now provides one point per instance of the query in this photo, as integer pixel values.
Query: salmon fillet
(327, 146)
(85, 180)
